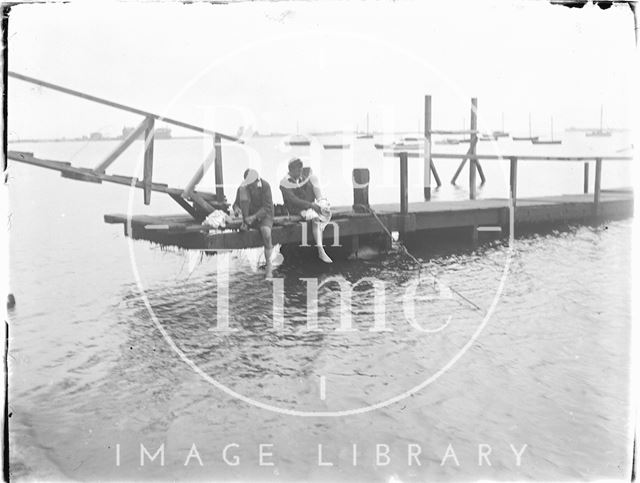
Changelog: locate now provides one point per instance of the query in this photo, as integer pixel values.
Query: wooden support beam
(200, 172)
(427, 148)
(585, 186)
(481, 173)
(218, 169)
(459, 170)
(135, 134)
(472, 149)
(435, 174)
(81, 174)
(596, 190)
(148, 160)
(404, 184)
(513, 180)
(462, 164)
(204, 206)
(187, 207)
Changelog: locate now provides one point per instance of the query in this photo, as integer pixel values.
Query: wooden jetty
(425, 217)
(349, 224)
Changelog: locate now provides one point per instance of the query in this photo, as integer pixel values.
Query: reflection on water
(89, 369)
(264, 362)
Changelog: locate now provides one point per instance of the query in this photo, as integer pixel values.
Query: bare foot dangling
(324, 257)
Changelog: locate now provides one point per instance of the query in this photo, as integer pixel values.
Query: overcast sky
(324, 65)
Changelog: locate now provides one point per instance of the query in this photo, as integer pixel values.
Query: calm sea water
(90, 369)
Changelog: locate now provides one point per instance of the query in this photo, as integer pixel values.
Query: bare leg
(265, 231)
(243, 202)
(318, 228)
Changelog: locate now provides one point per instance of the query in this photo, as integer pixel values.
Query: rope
(404, 250)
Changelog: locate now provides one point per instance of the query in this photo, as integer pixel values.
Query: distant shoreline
(66, 140)
(271, 135)
(258, 135)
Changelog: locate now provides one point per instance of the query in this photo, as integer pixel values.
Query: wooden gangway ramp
(484, 214)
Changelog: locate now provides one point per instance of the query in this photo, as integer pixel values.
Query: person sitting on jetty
(255, 204)
(301, 194)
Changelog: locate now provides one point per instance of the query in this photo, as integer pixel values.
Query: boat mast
(552, 128)
(529, 124)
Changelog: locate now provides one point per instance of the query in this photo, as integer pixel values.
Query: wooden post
(474, 235)
(472, 149)
(148, 160)
(427, 148)
(360, 179)
(513, 180)
(596, 191)
(355, 245)
(404, 183)
(586, 177)
(218, 168)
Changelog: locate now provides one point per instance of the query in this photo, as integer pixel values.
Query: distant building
(162, 133)
(159, 132)
(95, 136)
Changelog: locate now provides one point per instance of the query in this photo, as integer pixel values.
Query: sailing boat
(524, 138)
(419, 137)
(551, 141)
(501, 133)
(486, 137)
(601, 133)
(298, 139)
(366, 135)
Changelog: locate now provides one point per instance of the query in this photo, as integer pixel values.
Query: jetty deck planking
(182, 231)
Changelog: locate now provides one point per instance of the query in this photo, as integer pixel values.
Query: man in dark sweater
(255, 204)
(300, 196)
